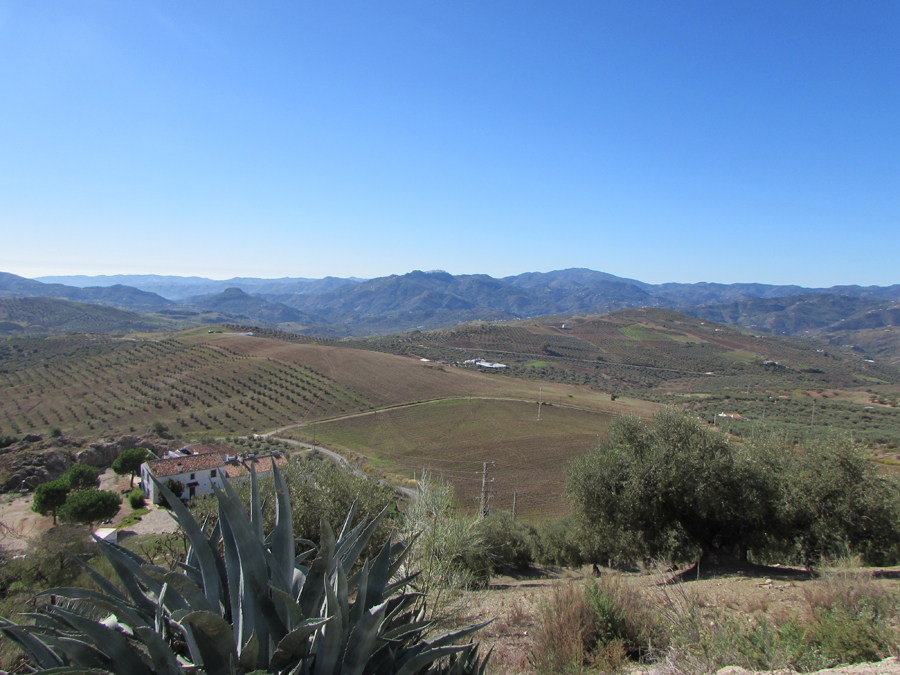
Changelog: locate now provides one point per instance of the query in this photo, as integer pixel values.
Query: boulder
(104, 453)
(28, 470)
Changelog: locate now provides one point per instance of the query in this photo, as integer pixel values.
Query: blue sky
(664, 141)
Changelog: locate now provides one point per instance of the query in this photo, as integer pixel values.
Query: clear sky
(665, 141)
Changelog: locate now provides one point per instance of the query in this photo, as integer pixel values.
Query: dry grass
(695, 627)
(602, 625)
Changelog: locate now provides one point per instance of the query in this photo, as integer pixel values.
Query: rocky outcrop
(27, 470)
(28, 463)
(104, 453)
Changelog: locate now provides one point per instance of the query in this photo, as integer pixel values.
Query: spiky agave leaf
(255, 605)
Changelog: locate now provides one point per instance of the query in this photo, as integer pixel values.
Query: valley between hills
(402, 404)
(497, 404)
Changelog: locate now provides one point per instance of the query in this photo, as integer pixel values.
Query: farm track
(429, 401)
(340, 460)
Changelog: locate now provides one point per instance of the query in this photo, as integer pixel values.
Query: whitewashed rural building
(202, 469)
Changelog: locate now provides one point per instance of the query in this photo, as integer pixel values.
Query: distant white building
(481, 363)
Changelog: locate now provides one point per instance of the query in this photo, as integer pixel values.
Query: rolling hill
(640, 348)
(234, 302)
(804, 313)
(799, 385)
(221, 383)
(48, 316)
(379, 398)
(125, 297)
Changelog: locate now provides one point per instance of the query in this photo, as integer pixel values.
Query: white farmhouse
(203, 467)
(197, 472)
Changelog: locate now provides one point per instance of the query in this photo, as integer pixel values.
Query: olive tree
(673, 488)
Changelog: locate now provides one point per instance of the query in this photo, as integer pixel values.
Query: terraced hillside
(215, 384)
(644, 349)
(799, 386)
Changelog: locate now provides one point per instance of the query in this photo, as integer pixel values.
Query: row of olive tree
(674, 489)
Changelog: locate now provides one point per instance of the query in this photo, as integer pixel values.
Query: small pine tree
(50, 497)
(82, 477)
(90, 506)
(129, 461)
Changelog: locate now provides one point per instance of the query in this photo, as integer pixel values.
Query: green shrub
(673, 489)
(508, 541)
(846, 618)
(136, 498)
(449, 549)
(562, 628)
(850, 617)
(557, 542)
(322, 491)
(176, 487)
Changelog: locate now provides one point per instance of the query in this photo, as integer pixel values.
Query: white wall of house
(195, 482)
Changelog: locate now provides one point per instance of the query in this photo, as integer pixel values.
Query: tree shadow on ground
(718, 564)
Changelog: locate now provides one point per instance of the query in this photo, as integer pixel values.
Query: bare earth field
(452, 440)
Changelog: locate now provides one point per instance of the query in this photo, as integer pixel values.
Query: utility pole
(515, 502)
(540, 401)
(484, 487)
(813, 414)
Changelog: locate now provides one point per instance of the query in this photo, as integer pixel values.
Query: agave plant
(243, 602)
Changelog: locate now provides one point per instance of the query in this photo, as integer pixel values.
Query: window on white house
(212, 474)
(192, 476)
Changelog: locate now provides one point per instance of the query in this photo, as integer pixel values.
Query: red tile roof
(163, 468)
(260, 464)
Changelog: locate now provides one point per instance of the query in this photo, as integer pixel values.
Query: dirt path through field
(428, 402)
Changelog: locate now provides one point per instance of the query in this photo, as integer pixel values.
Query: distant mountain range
(178, 288)
(125, 297)
(347, 307)
(803, 313)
